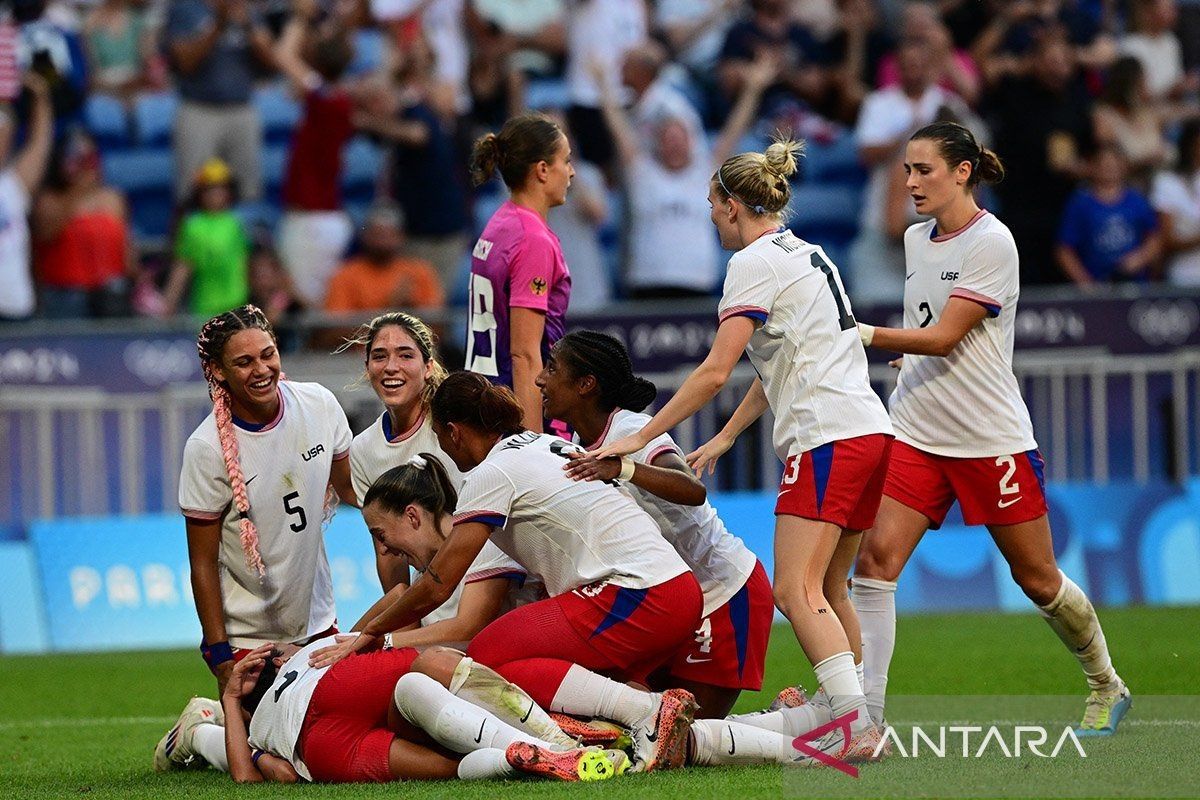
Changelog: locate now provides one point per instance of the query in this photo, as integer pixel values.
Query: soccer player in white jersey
(402, 369)
(254, 490)
(621, 600)
(784, 305)
(348, 724)
(963, 429)
(588, 382)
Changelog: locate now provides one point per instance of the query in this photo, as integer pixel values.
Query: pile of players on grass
(580, 609)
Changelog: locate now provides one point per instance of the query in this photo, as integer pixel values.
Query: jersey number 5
(296, 510)
(845, 318)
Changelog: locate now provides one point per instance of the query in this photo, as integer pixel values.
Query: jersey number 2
(301, 523)
(845, 318)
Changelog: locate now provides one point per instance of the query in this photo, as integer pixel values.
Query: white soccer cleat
(175, 751)
(1104, 711)
(660, 738)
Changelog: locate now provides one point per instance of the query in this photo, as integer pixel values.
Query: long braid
(606, 359)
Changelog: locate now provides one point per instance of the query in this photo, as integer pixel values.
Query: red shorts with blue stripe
(839, 482)
(345, 737)
(729, 649)
(996, 490)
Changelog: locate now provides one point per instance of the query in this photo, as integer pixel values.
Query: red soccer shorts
(997, 490)
(839, 482)
(729, 648)
(345, 737)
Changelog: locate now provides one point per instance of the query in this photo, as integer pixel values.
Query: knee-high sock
(875, 602)
(722, 741)
(840, 681)
(485, 764)
(489, 690)
(789, 722)
(209, 743)
(452, 722)
(1071, 616)
(584, 693)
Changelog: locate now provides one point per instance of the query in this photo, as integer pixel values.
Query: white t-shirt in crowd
(720, 561)
(968, 404)
(571, 533)
(277, 722)
(1179, 197)
(286, 468)
(663, 100)
(16, 279)
(1161, 58)
(806, 348)
(373, 453)
(672, 240)
(600, 32)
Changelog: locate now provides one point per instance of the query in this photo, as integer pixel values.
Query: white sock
(858, 673)
(1071, 615)
(840, 681)
(790, 722)
(584, 693)
(875, 602)
(721, 741)
(452, 722)
(485, 764)
(209, 743)
(489, 690)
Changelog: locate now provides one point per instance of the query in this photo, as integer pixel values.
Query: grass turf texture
(86, 725)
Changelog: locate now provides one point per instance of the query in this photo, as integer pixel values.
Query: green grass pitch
(86, 725)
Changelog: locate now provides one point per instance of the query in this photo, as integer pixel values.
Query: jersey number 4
(845, 318)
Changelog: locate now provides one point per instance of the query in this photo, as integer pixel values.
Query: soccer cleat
(568, 765)
(789, 697)
(620, 761)
(174, 751)
(1104, 711)
(864, 745)
(660, 738)
(596, 732)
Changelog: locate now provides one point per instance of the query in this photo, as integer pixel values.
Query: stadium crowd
(318, 150)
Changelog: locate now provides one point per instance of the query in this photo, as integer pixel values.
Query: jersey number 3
(845, 318)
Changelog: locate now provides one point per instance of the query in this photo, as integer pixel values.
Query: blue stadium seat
(369, 52)
(140, 170)
(107, 121)
(153, 116)
(279, 111)
(826, 212)
(258, 214)
(151, 212)
(362, 161)
(541, 93)
(835, 162)
(274, 164)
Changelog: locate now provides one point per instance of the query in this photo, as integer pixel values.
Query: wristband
(628, 465)
(216, 654)
(387, 641)
(866, 333)
(257, 755)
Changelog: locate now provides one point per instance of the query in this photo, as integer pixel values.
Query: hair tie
(417, 461)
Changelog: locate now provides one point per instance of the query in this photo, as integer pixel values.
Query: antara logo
(313, 452)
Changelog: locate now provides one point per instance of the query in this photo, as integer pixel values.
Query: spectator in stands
(672, 252)
(855, 50)
(1125, 119)
(380, 277)
(436, 32)
(598, 32)
(84, 256)
(211, 248)
(1176, 198)
(424, 169)
(889, 116)
(954, 67)
(56, 54)
(532, 34)
(1041, 121)
(695, 31)
(270, 286)
(1109, 232)
(577, 224)
(653, 93)
(315, 231)
(1152, 41)
(122, 57)
(215, 49)
(1008, 43)
(20, 177)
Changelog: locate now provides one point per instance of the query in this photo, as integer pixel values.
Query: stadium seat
(362, 161)
(140, 170)
(274, 164)
(835, 162)
(107, 121)
(543, 93)
(153, 116)
(279, 111)
(152, 211)
(259, 214)
(832, 209)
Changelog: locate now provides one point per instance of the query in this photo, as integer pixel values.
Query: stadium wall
(107, 583)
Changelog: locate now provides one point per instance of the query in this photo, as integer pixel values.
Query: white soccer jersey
(720, 561)
(286, 467)
(806, 347)
(277, 722)
(571, 533)
(373, 452)
(968, 404)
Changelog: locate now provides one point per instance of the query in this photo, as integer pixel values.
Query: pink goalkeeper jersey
(516, 262)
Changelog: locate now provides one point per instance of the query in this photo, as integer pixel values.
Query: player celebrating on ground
(621, 600)
(254, 491)
(964, 431)
(404, 373)
(520, 285)
(588, 383)
(784, 305)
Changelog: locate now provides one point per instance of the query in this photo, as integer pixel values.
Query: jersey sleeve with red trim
(990, 273)
(487, 496)
(204, 491)
(627, 424)
(531, 274)
(750, 289)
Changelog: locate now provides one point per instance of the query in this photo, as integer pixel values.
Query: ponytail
(760, 181)
(606, 359)
(957, 144)
(524, 141)
(468, 398)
